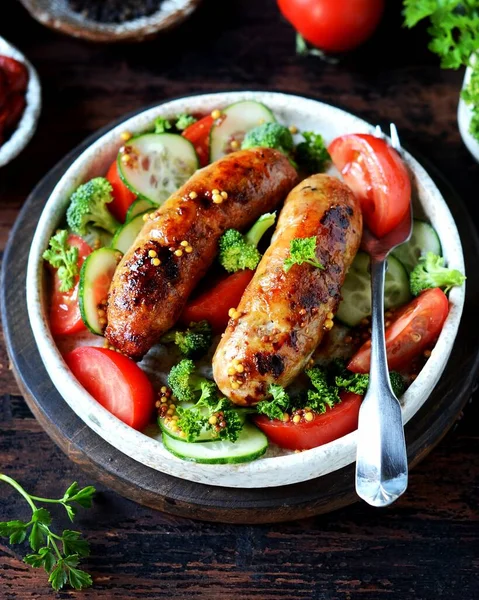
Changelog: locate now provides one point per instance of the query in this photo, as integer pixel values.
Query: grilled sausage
(282, 316)
(179, 242)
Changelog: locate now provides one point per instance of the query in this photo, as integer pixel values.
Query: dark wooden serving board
(184, 498)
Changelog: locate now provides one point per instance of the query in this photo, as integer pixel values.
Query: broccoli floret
(184, 120)
(430, 272)
(397, 383)
(302, 250)
(312, 155)
(324, 394)
(162, 125)
(189, 386)
(192, 342)
(269, 135)
(237, 251)
(357, 383)
(88, 206)
(353, 382)
(278, 405)
(185, 383)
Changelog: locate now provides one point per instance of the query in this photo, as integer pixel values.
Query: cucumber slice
(127, 233)
(95, 279)
(237, 119)
(423, 239)
(356, 290)
(140, 205)
(251, 444)
(160, 163)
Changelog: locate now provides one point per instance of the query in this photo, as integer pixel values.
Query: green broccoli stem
(447, 278)
(109, 223)
(262, 225)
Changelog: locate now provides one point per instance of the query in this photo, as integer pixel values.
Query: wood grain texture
(424, 547)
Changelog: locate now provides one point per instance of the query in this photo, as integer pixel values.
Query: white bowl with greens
(276, 467)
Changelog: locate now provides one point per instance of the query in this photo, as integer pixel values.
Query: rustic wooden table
(423, 547)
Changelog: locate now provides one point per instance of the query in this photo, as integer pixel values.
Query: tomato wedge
(199, 135)
(123, 198)
(65, 317)
(116, 382)
(214, 304)
(324, 428)
(415, 327)
(16, 74)
(377, 176)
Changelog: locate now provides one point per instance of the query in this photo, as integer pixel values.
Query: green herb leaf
(45, 558)
(41, 515)
(37, 536)
(74, 544)
(84, 497)
(71, 511)
(64, 258)
(58, 577)
(454, 28)
(302, 250)
(278, 405)
(60, 564)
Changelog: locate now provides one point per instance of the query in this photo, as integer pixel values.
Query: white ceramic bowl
(271, 470)
(464, 115)
(28, 122)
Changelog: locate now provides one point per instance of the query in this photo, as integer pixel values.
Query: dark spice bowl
(111, 20)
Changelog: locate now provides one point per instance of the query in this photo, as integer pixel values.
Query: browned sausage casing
(146, 300)
(282, 315)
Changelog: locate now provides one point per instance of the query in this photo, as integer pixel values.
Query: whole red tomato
(332, 25)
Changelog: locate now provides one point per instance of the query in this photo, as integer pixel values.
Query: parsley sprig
(59, 555)
(63, 257)
(302, 250)
(454, 31)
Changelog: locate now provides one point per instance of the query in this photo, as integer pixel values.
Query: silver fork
(381, 462)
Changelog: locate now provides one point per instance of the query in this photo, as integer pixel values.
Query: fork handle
(381, 463)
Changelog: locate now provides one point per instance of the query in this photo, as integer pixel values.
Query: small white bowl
(276, 467)
(464, 115)
(28, 122)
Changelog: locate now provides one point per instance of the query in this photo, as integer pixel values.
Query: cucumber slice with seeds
(423, 239)
(155, 165)
(126, 235)
(95, 278)
(238, 118)
(140, 205)
(356, 290)
(251, 444)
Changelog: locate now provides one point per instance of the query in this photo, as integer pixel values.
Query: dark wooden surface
(426, 546)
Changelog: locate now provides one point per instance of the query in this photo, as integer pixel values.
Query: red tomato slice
(116, 382)
(324, 428)
(378, 177)
(414, 329)
(65, 315)
(123, 198)
(214, 304)
(199, 135)
(16, 74)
